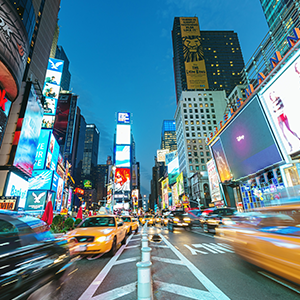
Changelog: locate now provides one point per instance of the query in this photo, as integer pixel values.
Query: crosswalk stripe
(167, 260)
(127, 260)
(117, 293)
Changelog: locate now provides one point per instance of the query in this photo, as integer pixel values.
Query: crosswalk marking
(127, 260)
(167, 260)
(117, 293)
(209, 248)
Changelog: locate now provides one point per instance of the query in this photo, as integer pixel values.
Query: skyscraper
(91, 148)
(210, 60)
(66, 75)
(168, 135)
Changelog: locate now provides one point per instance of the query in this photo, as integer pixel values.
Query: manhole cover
(155, 238)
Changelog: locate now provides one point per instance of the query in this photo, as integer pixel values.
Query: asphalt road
(185, 265)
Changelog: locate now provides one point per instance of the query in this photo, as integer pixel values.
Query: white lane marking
(138, 239)
(194, 251)
(90, 291)
(226, 246)
(159, 246)
(206, 234)
(217, 293)
(167, 260)
(279, 281)
(184, 291)
(134, 246)
(127, 260)
(205, 247)
(117, 293)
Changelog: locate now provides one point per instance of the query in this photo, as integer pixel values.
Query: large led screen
(180, 184)
(161, 154)
(281, 99)
(213, 182)
(41, 180)
(123, 118)
(123, 156)
(221, 162)
(41, 153)
(122, 179)
(29, 129)
(17, 186)
(173, 171)
(248, 143)
(123, 134)
(36, 200)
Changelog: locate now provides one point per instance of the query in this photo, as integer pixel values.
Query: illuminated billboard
(248, 142)
(59, 194)
(17, 186)
(135, 197)
(48, 122)
(5, 105)
(122, 156)
(213, 182)
(161, 154)
(166, 192)
(173, 170)
(195, 70)
(41, 153)
(221, 162)
(41, 180)
(27, 133)
(170, 157)
(134, 175)
(123, 134)
(180, 184)
(87, 184)
(281, 104)
(123, 118)
(36, 200)
(122, 179)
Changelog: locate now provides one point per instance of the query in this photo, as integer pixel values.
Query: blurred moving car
(178, 219)
(131, 223)
(30, 256)
(99, 234)
(148, 218)
(158, 220)
(211, 218)
(164, 221)
(195, 216)
(269, 240)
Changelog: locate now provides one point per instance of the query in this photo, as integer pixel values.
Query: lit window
(191, 168)
(197, 168)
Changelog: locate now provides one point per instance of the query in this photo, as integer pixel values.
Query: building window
(211, 99)
(195, 147)
(184, 104)
(204, 127)
(212, 110)
(187, 134)
(197, 122)
(207, 154)
(203, 122)
(188, 141)
(195, 104)
(190, 161)
(211, 105)
(198, 128)
(208, 116)
(194, 141)
(214, 122)
(213, 116)
(201, 153)
(196, 111)
(197, 168)
(191, 168)
(199, 134)
(185, 111)
(200, 105)
(192, 122)
(203, 168)
(185, 116)
(189, 153)
(186, 122)
(196, 161)
(199, 99)
(207, 110)
(186, 129)
(201, 147)
(193, 134)
(192, 128)
(206, 104)
(189, 147)
(191, 111)
(195, 153)
(191, 116)
(190, 105)
(209, 128)
(202, 116)
(202, 160)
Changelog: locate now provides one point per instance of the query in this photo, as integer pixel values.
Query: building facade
(66, 75)
(168, 135)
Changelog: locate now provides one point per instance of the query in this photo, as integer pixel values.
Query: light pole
(113, 190)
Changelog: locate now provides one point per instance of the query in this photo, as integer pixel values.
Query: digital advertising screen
(180, 184)
(59, 194)
(165, 193)
(221, 162)
(175, 197)
(173, 171)
(48, 122)
(87, 184)
(213, 182)
(161, 154)
(123, 156)
(55, 154)
(17, 186)
(248, 142)
(122, 179)
(40, 180)
(170, 157)
(5, 105)
(135, 197)
(36, 200)
(123, 118)
(27, 134)
(280, 98)
(54, 182)
(123, 134)
(41, 153)
(134, 176)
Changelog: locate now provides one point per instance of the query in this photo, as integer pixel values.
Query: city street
(185, 265)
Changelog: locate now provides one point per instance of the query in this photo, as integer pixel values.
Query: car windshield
(126, 219)
(98, 222)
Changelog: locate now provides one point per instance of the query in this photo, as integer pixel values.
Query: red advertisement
(122, 179)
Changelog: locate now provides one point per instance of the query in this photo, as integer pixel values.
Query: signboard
(9, 202)
(71, 125)
(59, 194)
(79, 191)
(135, 197)
(123, 134)
(36, 200)
(40, 156)
(213, 182)
(195, 70)
(27, 133)
(134, 175)
(123, 118)
(122, 179)
(281, 105)
(122, 156)
(54, 182)
(41, 180)
(173, 171)
(161, 155)
(170, 156)
(87, 184)
(180, 184)
(5, 105)
(17, 186)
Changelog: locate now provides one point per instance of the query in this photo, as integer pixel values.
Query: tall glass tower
(168, 135)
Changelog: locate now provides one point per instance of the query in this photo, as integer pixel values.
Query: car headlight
(186, 219)
(176, 219)
(102, 239)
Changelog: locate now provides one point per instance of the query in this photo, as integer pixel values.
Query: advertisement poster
(123, 134)
(27, 134)
(221, 162)
(122, 156)
(17, 186)
(9, 202)
(281, 100)
(175, 198)
(165, 193)
(87, 184)
(180, 184)
(173, 171)
(161, 155)
(195, 70)
(69, 197)
(122, 179)
(59, 194)
(5, 105)
(135, 197)
(170, 157)
(54, 182)
(123, 118)
(48, 122)
(40, 180)
(213, 182)
(40, 157)
(36, 200)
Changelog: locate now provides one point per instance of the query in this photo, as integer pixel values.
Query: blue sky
(120, 56)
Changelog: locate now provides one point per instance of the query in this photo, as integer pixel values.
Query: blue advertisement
(41, 180)
(55, 182)
(40, 157)
(59, 194)
(27, 134)
(55, 156)
(123, 118)
(122, 156)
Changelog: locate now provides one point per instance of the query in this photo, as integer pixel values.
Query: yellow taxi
(158, 220)
(99, 234)
(164, 221)
(131, 223)
(150, 220)
(268, 238)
